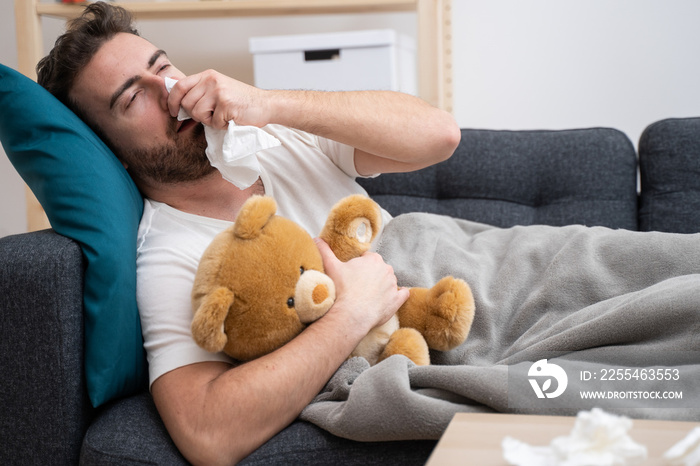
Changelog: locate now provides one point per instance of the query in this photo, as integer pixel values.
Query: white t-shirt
(306, 175)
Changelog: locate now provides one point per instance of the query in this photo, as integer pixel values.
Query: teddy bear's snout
(320, 293)
(314, 295)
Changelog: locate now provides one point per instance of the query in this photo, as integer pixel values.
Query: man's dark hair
(73, 50)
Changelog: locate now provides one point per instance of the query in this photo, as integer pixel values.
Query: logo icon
(547, 371)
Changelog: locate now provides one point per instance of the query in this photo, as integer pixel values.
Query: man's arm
(391, 131)
(218, 414)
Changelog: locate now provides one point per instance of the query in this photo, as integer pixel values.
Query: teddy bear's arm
(352, 226)
(208, 323)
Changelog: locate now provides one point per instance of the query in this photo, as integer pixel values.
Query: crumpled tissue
(597, 438)
(686, 452)
(233, 150)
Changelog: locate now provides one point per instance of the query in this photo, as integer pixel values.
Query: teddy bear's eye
(301, 270)
(290, 302)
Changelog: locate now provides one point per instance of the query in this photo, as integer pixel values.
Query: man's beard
(181, 160)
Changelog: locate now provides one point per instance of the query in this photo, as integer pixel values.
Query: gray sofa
(504, 178)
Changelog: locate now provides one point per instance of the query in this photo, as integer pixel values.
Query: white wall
(518, 64)
(574, 63)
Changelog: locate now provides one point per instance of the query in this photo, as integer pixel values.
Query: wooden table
(475, 439)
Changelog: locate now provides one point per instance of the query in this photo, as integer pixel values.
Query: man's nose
(163, 95)
(158, 89)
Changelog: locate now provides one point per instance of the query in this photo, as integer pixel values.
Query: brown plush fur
(410, 343)
(340, 229)
(261, 280)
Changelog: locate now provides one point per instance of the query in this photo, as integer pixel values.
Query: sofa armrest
(45, 410)
(506, 178)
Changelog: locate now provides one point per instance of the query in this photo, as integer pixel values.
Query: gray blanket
(594, 303)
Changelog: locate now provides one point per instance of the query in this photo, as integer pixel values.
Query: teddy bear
(261, 282)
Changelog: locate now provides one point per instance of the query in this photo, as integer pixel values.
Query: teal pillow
(89, 197)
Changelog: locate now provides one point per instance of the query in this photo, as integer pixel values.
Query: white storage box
(361, 60)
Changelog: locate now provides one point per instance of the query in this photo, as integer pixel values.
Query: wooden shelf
(231, 8)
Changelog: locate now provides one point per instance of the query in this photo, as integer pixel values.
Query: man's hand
(366, 285)
(214, 99)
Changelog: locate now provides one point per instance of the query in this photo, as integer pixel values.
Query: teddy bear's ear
(254, 215)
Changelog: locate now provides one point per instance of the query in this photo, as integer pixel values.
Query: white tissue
(686, 452)
(233, 150)
(597, 438)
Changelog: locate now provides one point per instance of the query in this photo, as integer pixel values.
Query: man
(217, 411)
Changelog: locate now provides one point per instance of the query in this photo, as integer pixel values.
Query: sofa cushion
(304, 443)
(506, 178)
(89, 197)
(669, 164)
(141, 438)
(129, 431)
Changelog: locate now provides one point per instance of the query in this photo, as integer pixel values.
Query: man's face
(122, 91)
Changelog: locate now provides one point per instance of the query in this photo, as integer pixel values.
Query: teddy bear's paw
(360, 229)
(354, 240)
(453, 314)
(410, 343)
(351, 226)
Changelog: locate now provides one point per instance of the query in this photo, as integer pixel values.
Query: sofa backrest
(669, 164)
(506, 178)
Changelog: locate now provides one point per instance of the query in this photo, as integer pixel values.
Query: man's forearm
(390, 125)
(219, 415)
